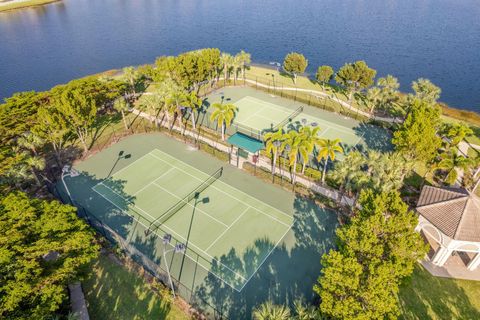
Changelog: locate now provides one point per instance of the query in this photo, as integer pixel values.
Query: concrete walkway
(263, 162)
(325, 95)
(77, 301)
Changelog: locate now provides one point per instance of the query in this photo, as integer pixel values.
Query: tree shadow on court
(92, 205)
(376, 138)
(288, 274)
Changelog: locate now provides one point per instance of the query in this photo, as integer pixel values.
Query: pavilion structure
(449, 219)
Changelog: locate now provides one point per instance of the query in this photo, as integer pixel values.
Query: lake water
(437, 39)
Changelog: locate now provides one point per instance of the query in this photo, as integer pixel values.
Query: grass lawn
(428, 297)
(113, 292)
(11, 5)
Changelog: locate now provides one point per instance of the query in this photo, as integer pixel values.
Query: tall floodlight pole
(179, 247)
(68, 171)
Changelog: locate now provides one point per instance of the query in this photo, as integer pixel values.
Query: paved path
(326, 95)
(263, 162)
(77, 301)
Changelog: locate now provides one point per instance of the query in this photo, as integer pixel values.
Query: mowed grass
(5, 6)
(113, 292)
(427, 297)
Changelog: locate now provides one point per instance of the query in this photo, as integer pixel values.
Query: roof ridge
(457, 228)
(457, 190)
(462, 197)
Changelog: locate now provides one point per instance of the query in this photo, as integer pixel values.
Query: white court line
(153, 182)
(192, 206)
(153, 218)
(224, 231)
(228, 194)
(253, 114)
(193, 260)
(323, 132)
(146, 154)
(265, 259)
(276, 108)
(173, 231)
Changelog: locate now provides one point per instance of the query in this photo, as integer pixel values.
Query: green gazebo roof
(245, 142)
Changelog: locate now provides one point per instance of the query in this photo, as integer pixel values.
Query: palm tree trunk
(324, 170)
(223, 132)
(294, 173)
(124, 120)
(274, 163)
(193, 119)
(35, 176)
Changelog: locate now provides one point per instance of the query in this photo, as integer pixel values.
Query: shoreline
(21, 4)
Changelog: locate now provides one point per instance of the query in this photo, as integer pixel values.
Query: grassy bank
(6, 6)
(113, 292)
(427, 297)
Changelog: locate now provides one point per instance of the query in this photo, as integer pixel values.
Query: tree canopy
(43, 247)
(418, 138)
(295, 63)
(376, 251)
(355, 76)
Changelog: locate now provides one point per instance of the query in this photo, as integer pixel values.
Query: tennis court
(259, 113)
(263, 115)
(209, 216)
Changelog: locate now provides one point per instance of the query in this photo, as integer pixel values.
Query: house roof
(454, 211)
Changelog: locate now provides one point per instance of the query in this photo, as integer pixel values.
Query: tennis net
(155, 224)
(288, 119)
(254, 133)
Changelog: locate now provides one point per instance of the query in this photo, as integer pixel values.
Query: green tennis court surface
(220, 220)
(259, 112)
(263, 115)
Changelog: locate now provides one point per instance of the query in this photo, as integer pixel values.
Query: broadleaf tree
(355, 77)
(295, 63)
(43, 247)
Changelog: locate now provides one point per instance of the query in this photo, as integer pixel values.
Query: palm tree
(374, 98)
(130, 75)
(226, 61)
(349, 173)
(292, 143)
(309, 139)
(35, 164)
(153, 103)
(176, 101)
(451, 161)
(193, 102)
(236, 65)
(327, 149)
(270, 311)
(273, 141)
(223, 114)
(121, 105)
(245, 59)
(30, 141)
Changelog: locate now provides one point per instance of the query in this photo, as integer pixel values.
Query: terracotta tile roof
(453, 211)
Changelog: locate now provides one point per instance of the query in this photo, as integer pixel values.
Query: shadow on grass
(424, 296)
(113, 292)
(288, 274)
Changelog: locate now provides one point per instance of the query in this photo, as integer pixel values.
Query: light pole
(178, 248)
(204, 200)
(68, 171)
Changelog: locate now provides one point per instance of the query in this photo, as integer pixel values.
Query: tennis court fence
(132, 250)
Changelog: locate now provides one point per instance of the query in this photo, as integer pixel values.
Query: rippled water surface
(437, 39)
